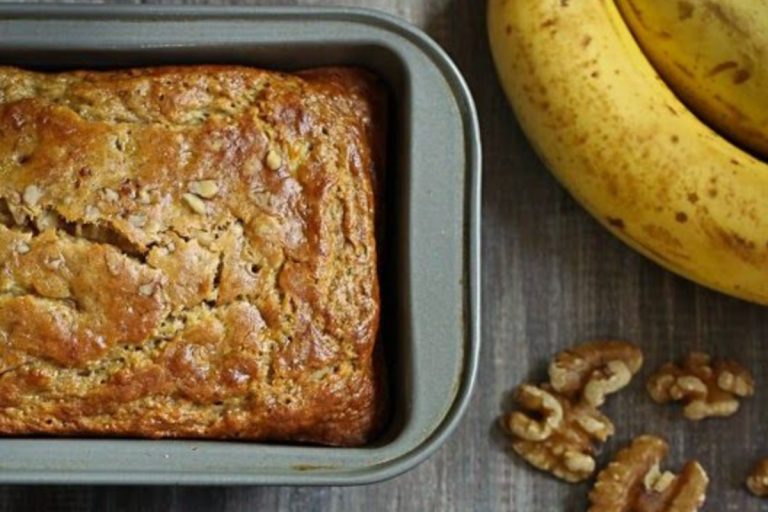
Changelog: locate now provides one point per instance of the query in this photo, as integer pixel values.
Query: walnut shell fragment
(591, 371)
(633, 481)
(555, 435)
(707, 388)
(757, 482)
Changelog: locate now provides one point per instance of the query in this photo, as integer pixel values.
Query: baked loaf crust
(189, 252)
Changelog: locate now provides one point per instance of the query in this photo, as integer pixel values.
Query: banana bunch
(626, 145)
(714, 55)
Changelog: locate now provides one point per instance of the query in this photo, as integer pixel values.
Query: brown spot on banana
(681, 217)
(548, 23)
(723, 66)
(741, 76)
(611, 183)
(581, 139)
(663, 236)
(684, 10)
(684, 69)
(744, 248)
(664, 258)
(615, 222)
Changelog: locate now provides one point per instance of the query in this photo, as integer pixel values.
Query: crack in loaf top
(188, 252)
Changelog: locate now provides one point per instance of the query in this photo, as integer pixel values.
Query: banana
(617, 137)
(714, 55)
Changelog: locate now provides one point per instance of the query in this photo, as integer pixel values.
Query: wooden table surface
(551, 277)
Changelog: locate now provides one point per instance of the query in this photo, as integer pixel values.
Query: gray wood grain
(551, 277)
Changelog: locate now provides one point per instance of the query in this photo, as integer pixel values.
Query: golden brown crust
(189, 252)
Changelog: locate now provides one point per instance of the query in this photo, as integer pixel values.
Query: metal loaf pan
(430, 281)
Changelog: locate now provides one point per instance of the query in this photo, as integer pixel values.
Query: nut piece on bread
(707, 388)
(757, 482)
(633, 481)
(591, 371)
(555, 435)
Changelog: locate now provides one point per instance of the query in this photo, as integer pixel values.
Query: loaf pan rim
(415, 454)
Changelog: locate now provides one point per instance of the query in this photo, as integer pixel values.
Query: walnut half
(553, 434)
(633, 481)
(591, 371)
(707, 388)
(758, 479)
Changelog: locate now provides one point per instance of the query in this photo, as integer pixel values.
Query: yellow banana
(714, 55)
(616, 136)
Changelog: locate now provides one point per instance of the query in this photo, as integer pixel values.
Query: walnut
(144, 197)
(147, 290)
(593, 370)
(110, 195)
(706, 388)
(92, 213)
(758, 479)
(633, 481)
(274, 160)
(555, 435)
(195, 203)
(137, 220)
(558, 425)
(206, 189)
(32, 195)
(47, 220)
(22, 247)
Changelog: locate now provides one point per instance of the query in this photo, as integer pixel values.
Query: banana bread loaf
(190, 252)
